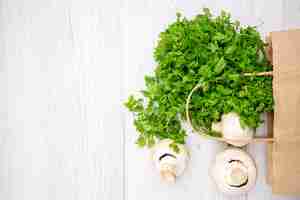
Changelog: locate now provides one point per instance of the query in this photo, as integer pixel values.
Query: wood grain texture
(61, 122)
(65, 68)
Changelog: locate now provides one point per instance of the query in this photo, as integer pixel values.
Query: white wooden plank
(62, 129)
(291, 14)
(61, 75)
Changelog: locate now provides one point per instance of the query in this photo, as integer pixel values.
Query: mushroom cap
(170, 164)
(232, 130)
(234, 171)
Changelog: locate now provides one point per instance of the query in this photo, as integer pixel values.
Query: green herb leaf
(220, 66)
(213, 51)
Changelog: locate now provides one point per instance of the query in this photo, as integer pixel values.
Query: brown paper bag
(284, 154)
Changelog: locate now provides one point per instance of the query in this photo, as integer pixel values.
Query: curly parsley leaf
(215, 51)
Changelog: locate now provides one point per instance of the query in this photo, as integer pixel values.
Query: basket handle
(187, 112)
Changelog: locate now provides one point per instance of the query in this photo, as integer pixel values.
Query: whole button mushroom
(231, 129)
(169, 163)
(234, 171)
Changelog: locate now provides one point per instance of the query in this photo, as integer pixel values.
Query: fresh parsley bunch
(213, 51)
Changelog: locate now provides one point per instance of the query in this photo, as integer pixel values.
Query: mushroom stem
(169, 163)
(168, 173)
(234, 171)
(237, 174)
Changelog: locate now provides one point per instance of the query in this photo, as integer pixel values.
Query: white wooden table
(65, 68)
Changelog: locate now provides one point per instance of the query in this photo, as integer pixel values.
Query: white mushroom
(169, 163)
(234, 171)
(231, 129)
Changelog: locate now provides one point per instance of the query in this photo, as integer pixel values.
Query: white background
(66, 66)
